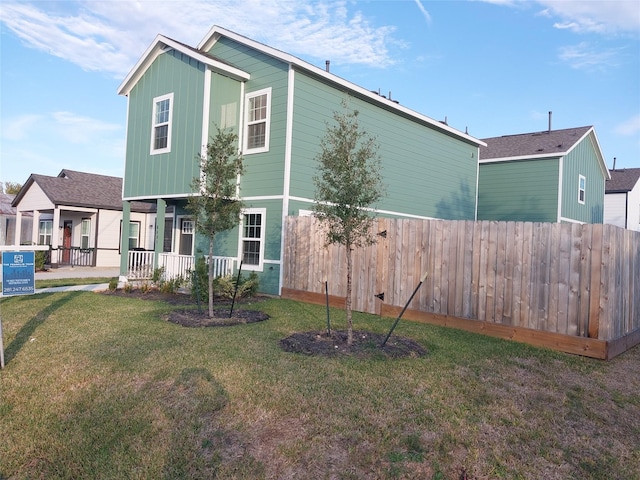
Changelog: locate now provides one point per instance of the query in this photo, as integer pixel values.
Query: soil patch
(195, 318)
(198, 317)
(365, 345)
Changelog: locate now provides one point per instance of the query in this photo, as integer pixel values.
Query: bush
(40, 257)
(223, 287)
(113, 283)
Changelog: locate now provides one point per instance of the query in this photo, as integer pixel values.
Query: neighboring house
(279, 106)
(79, 215)
(622, 199)
(8, 221)
(550, 176)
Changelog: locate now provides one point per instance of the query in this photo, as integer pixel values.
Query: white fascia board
(158, 46)
(523, 157)
(158, 197)
(216, 32)
(596, 146)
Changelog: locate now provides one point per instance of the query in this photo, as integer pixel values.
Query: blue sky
(492, 67)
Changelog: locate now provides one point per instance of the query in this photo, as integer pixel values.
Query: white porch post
(55, 234)
(161, 208)
(36, 226)
(17, 233)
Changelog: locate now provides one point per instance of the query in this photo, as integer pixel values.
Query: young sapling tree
(216, 204)
(348, 183)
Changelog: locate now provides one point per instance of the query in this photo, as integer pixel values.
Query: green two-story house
(279, 106)
(555, 176)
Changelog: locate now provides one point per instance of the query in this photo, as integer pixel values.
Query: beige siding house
(79, 216)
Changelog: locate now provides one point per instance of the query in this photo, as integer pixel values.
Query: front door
(66, 241)
(186, 236)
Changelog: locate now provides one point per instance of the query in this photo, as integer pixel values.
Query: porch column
(35, 227)
(158, 246)
(17, 233)
(55, 229)
(124, 240)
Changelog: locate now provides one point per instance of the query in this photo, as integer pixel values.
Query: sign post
(18, 278)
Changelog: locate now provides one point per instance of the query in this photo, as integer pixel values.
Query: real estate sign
(18, 273)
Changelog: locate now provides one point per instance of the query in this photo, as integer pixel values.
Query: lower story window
(84, 233)
(134, 235)
(252, 240)
(44, 232)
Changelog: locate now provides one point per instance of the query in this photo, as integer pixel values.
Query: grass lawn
(99, 386)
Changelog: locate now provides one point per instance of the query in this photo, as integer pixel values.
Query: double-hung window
(134, 235)
(161, 125)
(85, 230)
(257, 121)
(45, 230)
(582, 186)
(252, 238)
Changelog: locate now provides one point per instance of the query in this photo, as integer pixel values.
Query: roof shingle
(622, 180)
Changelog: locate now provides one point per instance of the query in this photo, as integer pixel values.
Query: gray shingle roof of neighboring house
(5, 204)
(534, 144)
(80, 189)
(622, 180)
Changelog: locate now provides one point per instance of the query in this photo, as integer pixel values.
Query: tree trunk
(348, 299)
(210, 277)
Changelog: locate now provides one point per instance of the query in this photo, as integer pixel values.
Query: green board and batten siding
(522, 190)
(264, 171)
(169, 173)
(426, 172)
(582, 160)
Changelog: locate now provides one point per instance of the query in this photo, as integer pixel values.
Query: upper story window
(257, 121)
(161, 126)
(582, 185)
(45, 230)
(134, 235)
(85, 230)
(252, 234)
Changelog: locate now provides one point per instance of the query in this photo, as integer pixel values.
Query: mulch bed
(365, 345)
(198, 317)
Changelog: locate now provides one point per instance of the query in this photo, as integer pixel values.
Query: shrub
(113, 283)
(223, 287)
(40, 257)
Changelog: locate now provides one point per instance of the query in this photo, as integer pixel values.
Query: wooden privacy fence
(570, 287)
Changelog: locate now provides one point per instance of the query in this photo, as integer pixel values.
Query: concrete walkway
(75, 272)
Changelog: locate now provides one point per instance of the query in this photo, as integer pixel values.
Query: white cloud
(110, 36)
(424, 11)
(18, 128)
(604, 17)
(629, 127)
(78, 129)
(586, 57)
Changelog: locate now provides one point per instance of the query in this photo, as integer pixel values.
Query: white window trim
(137, 238)
(44, 234)
(582, 178)
(178, 232)
(156, 100)
(247, 211)
(85, 221)
(267, 129)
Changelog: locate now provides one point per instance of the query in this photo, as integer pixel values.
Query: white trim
(523, 157)
(287, 166)
(206, 112)
(263, 224)
(158, 47)
(216, 32)
(263, 197)
(267, 121)
(154, 125)
(156, 197)
(126, 144)
(583, 190)
(560, 176)
(272, 262)
(177, 234)
(475, 210)
(571, 220)
(374, 210)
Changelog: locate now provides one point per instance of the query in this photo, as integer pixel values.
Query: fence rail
(74, 256)
(569, 279)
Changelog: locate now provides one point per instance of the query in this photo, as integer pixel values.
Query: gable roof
(201, 53)
(545, 144)
(81, 189)
(5, 204)
(623, 180)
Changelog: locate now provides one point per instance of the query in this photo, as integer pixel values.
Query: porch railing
(74, 256)
(140, 265)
